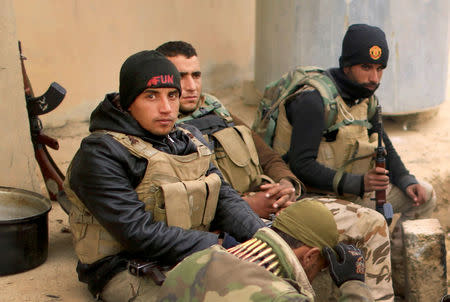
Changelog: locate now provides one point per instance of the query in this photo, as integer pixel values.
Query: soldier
(277, 264)
(324, 154)
(245, 161)
(143, 189)
(357, 225)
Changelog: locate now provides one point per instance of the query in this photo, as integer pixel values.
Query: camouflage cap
(309, 221)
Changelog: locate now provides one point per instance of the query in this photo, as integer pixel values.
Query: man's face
(156, 109)
(368, 75)
(191, 82)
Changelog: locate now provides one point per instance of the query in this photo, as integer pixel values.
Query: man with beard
(322, 155)
(357, 225)
(246, 162)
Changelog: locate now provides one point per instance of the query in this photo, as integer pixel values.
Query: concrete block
(425, 260)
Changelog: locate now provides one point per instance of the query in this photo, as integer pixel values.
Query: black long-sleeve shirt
(306, 115)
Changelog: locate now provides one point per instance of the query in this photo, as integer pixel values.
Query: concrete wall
(17, 165)
(309, 32)
(81, 44)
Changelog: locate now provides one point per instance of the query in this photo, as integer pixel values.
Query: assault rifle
(53, 177)
(382, 206)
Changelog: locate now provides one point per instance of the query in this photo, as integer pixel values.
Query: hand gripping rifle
(36, 106)
(382, 206)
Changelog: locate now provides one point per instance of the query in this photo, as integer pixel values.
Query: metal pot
(23, 230)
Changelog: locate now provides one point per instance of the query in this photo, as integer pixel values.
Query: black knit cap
(144, 69)
(363, 44)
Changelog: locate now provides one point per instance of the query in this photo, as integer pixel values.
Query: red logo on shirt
(163, 79)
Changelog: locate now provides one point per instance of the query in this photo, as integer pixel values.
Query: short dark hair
(291, 241)
(175, 48)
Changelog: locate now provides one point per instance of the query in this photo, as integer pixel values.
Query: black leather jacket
(104, 175)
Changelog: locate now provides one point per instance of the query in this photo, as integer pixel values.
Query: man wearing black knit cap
(143, 190)
(321, 153)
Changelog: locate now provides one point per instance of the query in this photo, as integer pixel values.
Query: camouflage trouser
(125, 287)
(401, 203)
(366, 229)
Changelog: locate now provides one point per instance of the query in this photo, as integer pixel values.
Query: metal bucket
(23, 230)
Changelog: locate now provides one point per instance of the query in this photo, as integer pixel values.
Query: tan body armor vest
(237, 158)
(175, 189)
(235, 154)
(351, 152)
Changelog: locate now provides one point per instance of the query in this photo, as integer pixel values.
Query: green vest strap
(212, 104)
(363, 123)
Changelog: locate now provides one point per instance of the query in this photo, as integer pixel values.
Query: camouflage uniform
(401, 203)
(360, 225)
(349, 153)
(219, 275)
(367, 230)
(363, 228)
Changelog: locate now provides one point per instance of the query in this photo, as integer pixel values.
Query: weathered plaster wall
(82, 44)
(17, 165)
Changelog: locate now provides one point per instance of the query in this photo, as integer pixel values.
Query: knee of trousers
(372, 234)
(371, 219)
(428, 207)
(365, 224)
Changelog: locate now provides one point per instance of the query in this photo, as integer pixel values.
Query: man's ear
(310, 257)
(311, 260)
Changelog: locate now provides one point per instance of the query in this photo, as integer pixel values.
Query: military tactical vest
(175, 189)
(234, 150)
(351, 151)
(268, 250)
(293, 83)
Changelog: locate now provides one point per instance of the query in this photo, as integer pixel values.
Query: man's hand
(260, 204)
(284, 191)
(272, 198)
(417, 194)
(350, 266)
(376, 179)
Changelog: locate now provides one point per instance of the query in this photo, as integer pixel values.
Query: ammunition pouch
(186, 204)
(237, 159)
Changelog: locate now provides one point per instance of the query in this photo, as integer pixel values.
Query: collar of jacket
(349, 90)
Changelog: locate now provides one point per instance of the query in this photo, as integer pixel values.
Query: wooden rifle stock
(382, 206)
(53, 177)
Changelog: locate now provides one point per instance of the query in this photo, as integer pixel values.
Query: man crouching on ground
(277, 264)
(143, 189)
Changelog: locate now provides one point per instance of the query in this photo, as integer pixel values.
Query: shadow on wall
(221, 76)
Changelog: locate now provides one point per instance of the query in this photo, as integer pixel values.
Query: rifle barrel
(382, 206)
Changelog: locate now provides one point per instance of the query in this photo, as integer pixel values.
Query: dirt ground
(423, 144)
